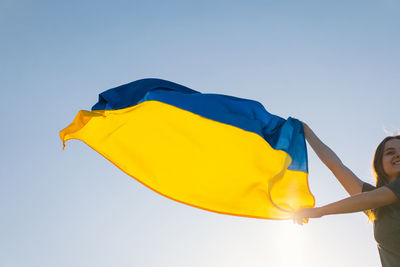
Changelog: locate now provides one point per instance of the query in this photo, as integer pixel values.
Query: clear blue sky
(333, 64)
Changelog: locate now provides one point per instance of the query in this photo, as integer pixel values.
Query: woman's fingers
(302, 216)
(299, 220)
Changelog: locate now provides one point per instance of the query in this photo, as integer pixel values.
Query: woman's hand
(300, 217)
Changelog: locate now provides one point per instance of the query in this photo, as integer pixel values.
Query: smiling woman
(382, 201)
(389, 170)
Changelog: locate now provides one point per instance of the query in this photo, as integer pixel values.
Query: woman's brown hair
(380, 175)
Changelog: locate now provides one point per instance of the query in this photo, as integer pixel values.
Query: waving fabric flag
(215, 152)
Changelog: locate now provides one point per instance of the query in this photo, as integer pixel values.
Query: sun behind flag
(215, 152)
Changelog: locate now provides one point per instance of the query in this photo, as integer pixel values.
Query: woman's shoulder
(395, 187)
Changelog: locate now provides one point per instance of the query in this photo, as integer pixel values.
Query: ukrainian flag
(215, 152)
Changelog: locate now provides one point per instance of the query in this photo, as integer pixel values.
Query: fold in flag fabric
(215, 152)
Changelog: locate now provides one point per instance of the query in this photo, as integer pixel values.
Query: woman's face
(391, 159)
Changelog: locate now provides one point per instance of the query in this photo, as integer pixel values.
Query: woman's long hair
(380, 175)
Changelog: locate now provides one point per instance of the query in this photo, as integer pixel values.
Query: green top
(387, 227)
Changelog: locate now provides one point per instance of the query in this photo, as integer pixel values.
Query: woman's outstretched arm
(345, 176)
(379, 197)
